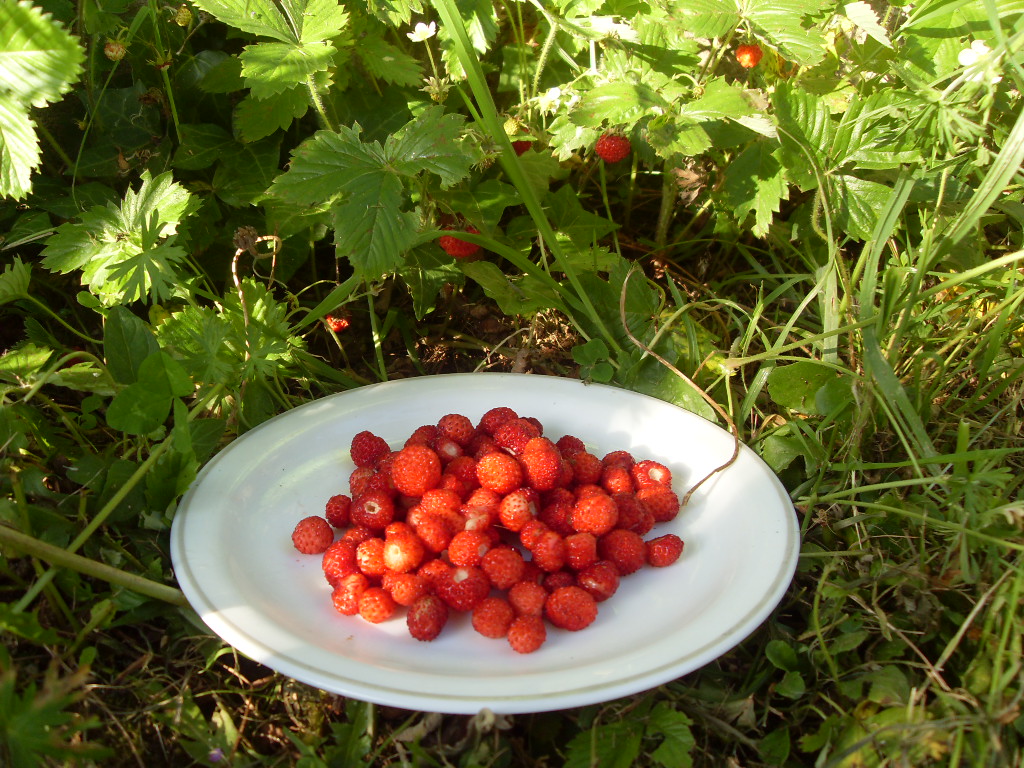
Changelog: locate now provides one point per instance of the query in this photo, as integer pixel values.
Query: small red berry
(527, 634)
(459, 249)
(427, 617)
(367, 448)
(337, 510)
(612, 147)
(312, 535)
(416, 469)
(664, 550)
(492, 617)
(376, 605)
(521, 146)
(571, 608)
(337, 323)
(499, 472)
(748, 55)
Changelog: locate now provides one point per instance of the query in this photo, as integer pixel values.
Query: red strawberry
(434, 533)
(499, 472)
(468, 547)
(601, 580)
(625, 549)
(376, 605)
(664, 550)
(633, 513)
(359, 480)
(527, 598)
(457, 427)
(549, 551)
(312, 535)
(403, 552)
(527, 634)
(557, 513)
(427, 617)
(621, 458)
(337, 510)
(661, 501)
(571, 608)
(447, 450)
(542, 464)
(463, 588)
(416, 469)
(616, 479)
(373, 510)
(749, 55)
(557, 580)
(407, 588)
(596, 514)
(424, 435)
(367, 449)
(504, 566)
(580, 550)
(346, 594)
(459, 249)
(494, 418)
(612, 147)
(492, 617)
(339, 561)
(515, 434)
(521, 146)
(517, 508)
(438, 499)
(649, 472)
(464, 468)
(337, 323)
(357, 534)
(370, 557)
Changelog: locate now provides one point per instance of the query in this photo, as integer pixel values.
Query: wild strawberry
(447, 450)
(346, 594)
(376, 605)
(337, 510)
(662, 502)
(403, 552)
(664, 550)
(463, 588)
(556, 514)
(407, 588)
(580, 550)
(437, 499)
(649, 472)
(373, 510)
(459, 249)
(521, 146)
(515, 434)
(426, 617)
(503, 565)
(370, 557)
(531, 533)
(337, 323)
(339, 561)
(416, 470)
(612, 147)
(549, 551)
(625, 549)
(481, 445)
(749, 55)
(569, 444)
(601, 579)
(571, 608)
(596, 514)
(312, 535)
(616, 479)
(499, 472)
(542, 464)
(357, 534)
(633, 513)
(114, 50)
(359, 480)
(619, 458)
(527, 633)
(468, 547)
(492, 617)
(517, 508)
(527, 598)
(367, 449)
(424, 435)
(557, 580)
(464, 468)
(457, 427)
(434, 533)
(494, 418)
(435, 571)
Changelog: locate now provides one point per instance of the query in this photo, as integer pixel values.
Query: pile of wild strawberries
(491, 519)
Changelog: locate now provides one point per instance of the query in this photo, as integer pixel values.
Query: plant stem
(318, 105)
(668, 204)
(62, 558)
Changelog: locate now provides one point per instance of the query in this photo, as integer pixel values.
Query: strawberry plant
(799, 219)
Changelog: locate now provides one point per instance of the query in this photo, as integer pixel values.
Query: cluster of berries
(491, 519)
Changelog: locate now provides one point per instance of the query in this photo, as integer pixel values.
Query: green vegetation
(826, 240)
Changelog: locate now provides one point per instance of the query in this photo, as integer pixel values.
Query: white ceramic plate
(232, 553)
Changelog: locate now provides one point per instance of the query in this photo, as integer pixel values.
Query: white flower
(549, 101)
(422, 32)
(979, 63)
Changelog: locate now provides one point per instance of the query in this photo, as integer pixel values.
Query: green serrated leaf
(432, 142)
(245, 174)
(202, 145)
(14, 280)
(127, 342)
(863, 16)
(677, 741)
(570, 218)
(255, 119)
(272, 68)
(754, 182)
(19, 148)
(39, 60)
(257, 17)
(855, 204)
(370, 228)
(388, 63)
(320, 19)
(609, 745)
(322, 166)
(615, 104)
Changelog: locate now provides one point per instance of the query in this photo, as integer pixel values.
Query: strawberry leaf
(271, 68)
(432, 142)
(369, 226)
(38, 59)
(19, 149)
(754, 183)
(257, 17)
(255, 119)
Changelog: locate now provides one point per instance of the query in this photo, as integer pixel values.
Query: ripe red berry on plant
(459, 249)
(533, 534)
(612, 147)
(337, 323)
(749, 55)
